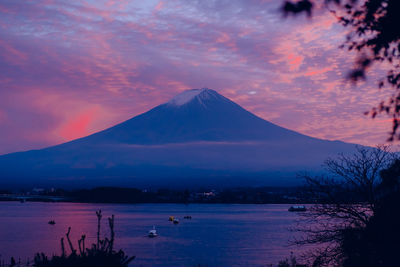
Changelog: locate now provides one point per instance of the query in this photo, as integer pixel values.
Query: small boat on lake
(187, 217)
(298, 208)
(175, 221)
(153, 233)
(52, 222)
(171, 218)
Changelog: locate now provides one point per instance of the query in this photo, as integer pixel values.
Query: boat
(153, 233)
(298, 208)
(52, 222)
(175, 221)
(171, 218)
(187, 217)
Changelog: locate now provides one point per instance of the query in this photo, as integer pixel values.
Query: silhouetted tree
(100, 254)
(377, 244)
(374, 33)
(347, 200)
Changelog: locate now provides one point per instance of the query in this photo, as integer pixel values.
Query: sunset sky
(71, 68)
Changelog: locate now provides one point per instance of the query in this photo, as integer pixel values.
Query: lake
(217, 234)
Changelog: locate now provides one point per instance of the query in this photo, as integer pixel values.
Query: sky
(72, 68)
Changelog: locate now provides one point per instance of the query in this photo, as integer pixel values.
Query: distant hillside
(198, 138)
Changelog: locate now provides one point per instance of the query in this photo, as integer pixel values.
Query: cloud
(69, 69)
(78, 126)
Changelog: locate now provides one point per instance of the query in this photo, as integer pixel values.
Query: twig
(69, 241)
(62, 247)
(98, 214)
(111, 224)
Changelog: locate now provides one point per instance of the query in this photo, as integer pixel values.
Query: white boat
(298, 208)
(153, 233)
(175, 221)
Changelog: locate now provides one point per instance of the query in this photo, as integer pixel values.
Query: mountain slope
(197, 138)
(206, 116)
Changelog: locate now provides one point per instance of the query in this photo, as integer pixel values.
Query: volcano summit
(198, 138)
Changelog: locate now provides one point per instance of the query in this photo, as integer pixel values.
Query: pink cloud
(11, 54)
(71, 69)
(317, 71)
(78, 126)
(294, 61)
(159, 6)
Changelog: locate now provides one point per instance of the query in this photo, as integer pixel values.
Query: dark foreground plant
(357, 216)
(291, 262)
(101, 254)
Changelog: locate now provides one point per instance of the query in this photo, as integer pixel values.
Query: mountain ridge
(197, 136)
(203, 106)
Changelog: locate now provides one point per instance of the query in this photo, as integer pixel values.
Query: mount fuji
(198, 138)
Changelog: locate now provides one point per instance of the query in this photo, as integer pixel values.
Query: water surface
(217, 234)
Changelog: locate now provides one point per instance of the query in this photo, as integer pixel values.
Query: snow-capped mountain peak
(188, 95)
(198, 138)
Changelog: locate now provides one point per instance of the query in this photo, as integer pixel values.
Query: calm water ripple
(217, 234)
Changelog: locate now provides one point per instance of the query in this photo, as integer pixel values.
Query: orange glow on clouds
(294, 61)
(79, 125)
(69, 70)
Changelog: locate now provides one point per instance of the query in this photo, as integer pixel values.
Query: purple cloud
(71, 69)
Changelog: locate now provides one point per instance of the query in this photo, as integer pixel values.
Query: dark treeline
(238, 195)
(259, 195)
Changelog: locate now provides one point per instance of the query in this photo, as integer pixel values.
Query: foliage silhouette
(351, 209)
(377, 244)
(375, 36)
(100, 254)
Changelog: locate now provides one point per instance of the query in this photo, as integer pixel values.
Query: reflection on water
(217, 234)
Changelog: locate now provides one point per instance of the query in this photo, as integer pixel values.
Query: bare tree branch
(346, 199)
